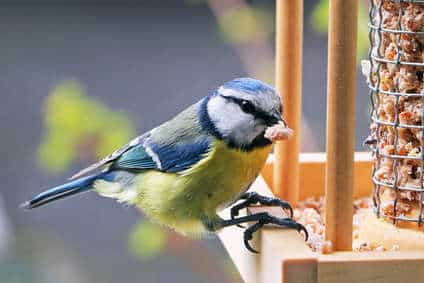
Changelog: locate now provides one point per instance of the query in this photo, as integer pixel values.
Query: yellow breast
(224, 174)
(214, 182)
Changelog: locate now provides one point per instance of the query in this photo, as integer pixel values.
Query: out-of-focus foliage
(244, 24)
(38, 256)
(147, 240)
(78, 126)
(319, 20)
(319, 17)
(241, 24)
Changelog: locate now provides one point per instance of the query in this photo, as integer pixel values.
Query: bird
(186, 170)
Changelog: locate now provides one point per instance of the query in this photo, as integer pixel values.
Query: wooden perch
(288, 82)
(341, 90)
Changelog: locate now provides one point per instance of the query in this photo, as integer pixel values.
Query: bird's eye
(247, 106)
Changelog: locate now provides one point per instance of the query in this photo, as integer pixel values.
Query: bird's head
(240, 111)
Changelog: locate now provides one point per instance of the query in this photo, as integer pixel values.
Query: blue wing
(167, 157)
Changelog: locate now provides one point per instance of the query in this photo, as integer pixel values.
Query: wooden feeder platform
(340, 174)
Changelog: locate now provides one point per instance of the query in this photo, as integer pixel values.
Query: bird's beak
(276, 119)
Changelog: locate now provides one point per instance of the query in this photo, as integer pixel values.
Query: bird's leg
(261, 219)
(255, 198)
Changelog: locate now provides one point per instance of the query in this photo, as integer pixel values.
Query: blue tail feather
(71, 188)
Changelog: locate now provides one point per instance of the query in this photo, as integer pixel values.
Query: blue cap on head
(248, 85)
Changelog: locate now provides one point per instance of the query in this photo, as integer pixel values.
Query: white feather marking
(227, 91)
(129, 195)
(153, 155)
(134, 142)
(107, 189)
(232, 92)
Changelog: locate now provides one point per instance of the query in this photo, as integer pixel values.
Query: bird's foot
(252, 198)
(261, 219)
(268, 219)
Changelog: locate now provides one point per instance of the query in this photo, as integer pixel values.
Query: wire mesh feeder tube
(395, 78)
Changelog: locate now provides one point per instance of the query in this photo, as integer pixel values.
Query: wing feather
(108, 159)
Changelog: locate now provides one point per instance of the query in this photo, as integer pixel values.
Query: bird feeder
(395, 79)
(340, 174)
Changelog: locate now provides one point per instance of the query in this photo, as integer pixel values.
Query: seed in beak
(278, 132)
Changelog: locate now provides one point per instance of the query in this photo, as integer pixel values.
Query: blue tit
(181, 173)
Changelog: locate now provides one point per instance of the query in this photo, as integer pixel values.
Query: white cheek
(232, 122)
(225, 115)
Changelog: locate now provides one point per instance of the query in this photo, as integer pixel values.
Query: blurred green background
(81, 78)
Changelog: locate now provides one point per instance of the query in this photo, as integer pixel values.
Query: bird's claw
(235, 211)
(251, 198)
(268, 219)
(248, 235)
(261, 219)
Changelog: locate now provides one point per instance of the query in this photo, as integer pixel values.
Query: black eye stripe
(257, 113)
(245, 105)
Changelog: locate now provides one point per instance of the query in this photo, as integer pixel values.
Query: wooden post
(288, 81)
(340, 122)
